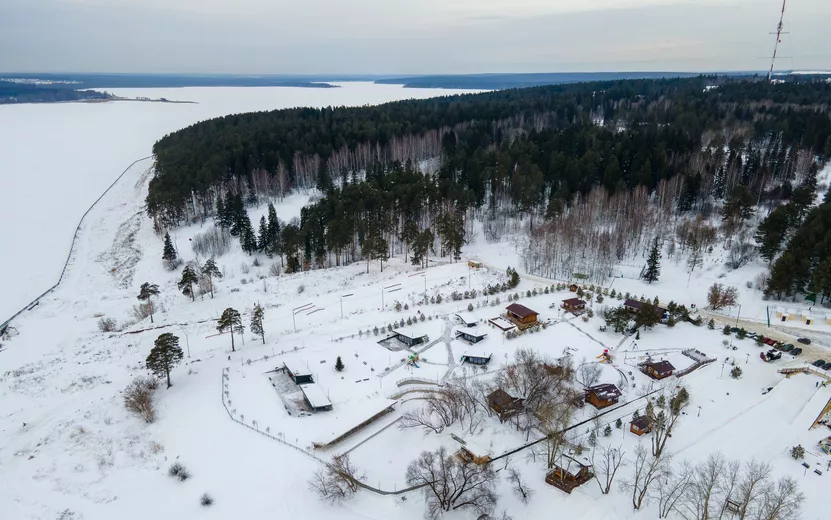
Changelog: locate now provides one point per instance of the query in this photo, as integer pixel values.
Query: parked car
(804, 341)
(770, 341)
(818, 363)
(826, 366)
(797, 351)
(785, 348)
(734, 329)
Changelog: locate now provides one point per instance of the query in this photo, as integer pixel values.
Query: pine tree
(274, 244)
(220, 210)
(169, 252)
(607, 431)
(711, 324)
(147, 291)
(211, 271)
(165, 355)
(339, 364)
(653, 263)
(226, 217)
(593, 438)
(186, 283)
(256, 325)
(231, 321)
(618, 423)
(248, 240)
(263, 238)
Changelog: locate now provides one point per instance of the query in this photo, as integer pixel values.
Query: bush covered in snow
(138, 398)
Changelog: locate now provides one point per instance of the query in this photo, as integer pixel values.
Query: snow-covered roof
(478, 350)
(414, 331)
(473, 331)
(315, 395)
(297, 368)
(473, 447)
(502, 323)
(467, 317)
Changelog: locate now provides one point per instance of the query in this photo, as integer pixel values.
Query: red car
(770, 341)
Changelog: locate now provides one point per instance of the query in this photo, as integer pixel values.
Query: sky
(408, 36)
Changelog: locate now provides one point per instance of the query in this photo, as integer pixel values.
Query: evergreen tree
(211, 271)
(593, 438)
(237, 215)
(647, 316)
(771, 233)
(231, 321)
(256, 325)
(274, 244)
(226, 216)
(220, 211)
(147, 291)
(374, 248)
(653, 263)
(339, 364)
(165, 355)
(248, 240)
(186, 283)
(618, 423)
(169, 252)
(607, 431)
(263, 237)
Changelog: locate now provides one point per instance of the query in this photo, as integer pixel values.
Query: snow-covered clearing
(67, 444)
(56, 159)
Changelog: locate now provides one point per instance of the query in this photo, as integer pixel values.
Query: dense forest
(15, 92)
(589, 173)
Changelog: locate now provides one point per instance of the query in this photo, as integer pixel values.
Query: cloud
(403, 36)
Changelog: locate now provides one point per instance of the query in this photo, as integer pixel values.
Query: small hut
(477, 355)
(569, 473)
(574, 305)
(657, 369)
(504, 405)
(471, 334)
(470, 451)
(573, 287)
(298, 372)
(603, 395)
(640, 426)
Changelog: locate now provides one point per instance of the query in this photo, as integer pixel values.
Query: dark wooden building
(573, 287)
(471, 334)
(521, 315)
(634, 306)
(657, 369)
(574, 305)
(603, 395)
(640, 426)
(569, 473)
(411, 338)
(477, 355)
(298, 373)
(504, 405)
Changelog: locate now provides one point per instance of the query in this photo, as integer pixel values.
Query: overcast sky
(408, 36)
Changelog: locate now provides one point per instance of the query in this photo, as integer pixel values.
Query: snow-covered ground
(68, 447)
(56, 159)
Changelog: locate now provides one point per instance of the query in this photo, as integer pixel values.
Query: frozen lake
(56, 159)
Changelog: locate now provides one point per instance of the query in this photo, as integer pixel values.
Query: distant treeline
(86, 81)
(513, 80)
(30, 93)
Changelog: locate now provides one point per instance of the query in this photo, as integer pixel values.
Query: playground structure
(413, 360)
(605, 357)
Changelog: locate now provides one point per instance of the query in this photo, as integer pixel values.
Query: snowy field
(68, 447)
(61, 157)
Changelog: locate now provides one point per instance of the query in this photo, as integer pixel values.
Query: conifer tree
(165, 355)
(147, 291)
(263, 238)
(169, 252)
(211, 271)
(274, 244)
(231, 321)
(186, 283)
(653, 263)
(256, 325)
(339, 364)
(220, 210)
(248, 240)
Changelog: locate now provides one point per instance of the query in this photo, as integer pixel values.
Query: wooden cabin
(603, 395)
(471, 452)
(573, 287)
(574, 305)
(657, 369)
(634, 306)
(504, 405)
(466, 319)
(521, 315)
(471, 334)
(640, 426)
(298, 372)
(569, 473)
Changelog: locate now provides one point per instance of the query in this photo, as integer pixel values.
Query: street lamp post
(295, 311)
(737, 314)
(341, 303)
